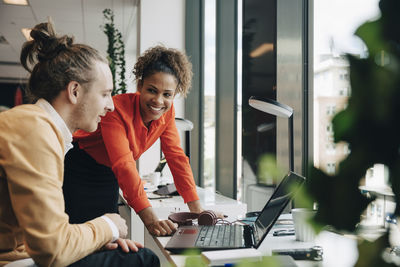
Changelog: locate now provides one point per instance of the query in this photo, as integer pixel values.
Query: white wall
(160, 22)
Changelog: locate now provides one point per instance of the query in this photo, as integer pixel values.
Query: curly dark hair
(167, 60)
(54, 61)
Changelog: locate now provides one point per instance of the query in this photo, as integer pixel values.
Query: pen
(284, 232)
(160, 197)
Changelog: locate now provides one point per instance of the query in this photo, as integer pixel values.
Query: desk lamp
(280, 110)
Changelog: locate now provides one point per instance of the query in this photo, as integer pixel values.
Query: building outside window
(332, 41)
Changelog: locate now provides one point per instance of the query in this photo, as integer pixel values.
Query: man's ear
(74, 90)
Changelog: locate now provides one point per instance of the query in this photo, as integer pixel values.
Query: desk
(164, 207)
(338, 250)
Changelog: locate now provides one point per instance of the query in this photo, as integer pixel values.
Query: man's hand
(125, 244)
(161, 228)
(120, 223)
(154, 225)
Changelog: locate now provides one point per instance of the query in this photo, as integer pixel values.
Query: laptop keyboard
(220, 236)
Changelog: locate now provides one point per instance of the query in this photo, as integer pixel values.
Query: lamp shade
(183, 125)
(280, 110)
(271, 106)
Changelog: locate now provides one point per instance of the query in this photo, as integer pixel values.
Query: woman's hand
(195, 206)
(154, 225)
(125, 244)
(220, 215)
(162, 227)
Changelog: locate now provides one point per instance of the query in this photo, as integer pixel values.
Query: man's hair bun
(54, 61)
(45, 44)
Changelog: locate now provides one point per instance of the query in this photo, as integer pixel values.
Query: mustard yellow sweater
(32, 218)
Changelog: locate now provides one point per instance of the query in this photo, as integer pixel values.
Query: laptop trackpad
(184, 237)
(188, 231)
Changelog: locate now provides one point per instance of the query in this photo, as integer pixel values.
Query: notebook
(217, 237)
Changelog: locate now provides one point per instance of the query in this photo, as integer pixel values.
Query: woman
(103, 161)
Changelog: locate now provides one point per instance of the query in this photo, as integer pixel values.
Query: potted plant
(370, 125)
(115, 51)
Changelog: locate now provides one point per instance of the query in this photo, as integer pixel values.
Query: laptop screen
(274, 207)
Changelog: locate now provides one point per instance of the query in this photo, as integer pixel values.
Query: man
(73, 85)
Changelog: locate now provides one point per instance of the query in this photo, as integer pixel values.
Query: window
(330, 148)
(346, 149)
(211, 43)
(329, 129)
(209, 94)
(331, 110)
(331, 42)
(251, 54)
(331, 168)
(344, 76)
(344, 91)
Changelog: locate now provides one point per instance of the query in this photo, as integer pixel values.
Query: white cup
(155, 178)
(303, 230)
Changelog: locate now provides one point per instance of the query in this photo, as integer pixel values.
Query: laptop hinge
(248, 233)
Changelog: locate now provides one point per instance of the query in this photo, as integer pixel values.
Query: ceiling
(81, 18)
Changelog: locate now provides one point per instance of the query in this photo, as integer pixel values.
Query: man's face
(157, 94)
(96, 100)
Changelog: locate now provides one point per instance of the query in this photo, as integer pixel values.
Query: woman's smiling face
(157, 93)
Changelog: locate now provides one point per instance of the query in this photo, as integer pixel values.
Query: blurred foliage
(370, 252)
(116, 52)
(265, 262)
(370, 125)
(194, 259)
(303, 199)
(269, 172)
(270, 261)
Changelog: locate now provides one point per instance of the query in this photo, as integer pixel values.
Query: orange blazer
(122, 138)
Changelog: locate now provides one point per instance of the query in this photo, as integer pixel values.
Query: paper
(221, 257)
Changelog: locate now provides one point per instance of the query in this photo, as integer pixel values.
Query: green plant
(116, 52)
(194, 260)
(370, 125)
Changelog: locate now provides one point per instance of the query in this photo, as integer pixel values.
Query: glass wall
(233, 48)
(258, 79)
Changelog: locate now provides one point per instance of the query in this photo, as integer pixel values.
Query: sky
(337, 20)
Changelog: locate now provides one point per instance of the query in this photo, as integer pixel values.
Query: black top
(90, 189)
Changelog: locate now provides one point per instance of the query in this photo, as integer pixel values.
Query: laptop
(219, 237)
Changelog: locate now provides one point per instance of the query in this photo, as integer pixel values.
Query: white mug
(303, 230)
(155, 178)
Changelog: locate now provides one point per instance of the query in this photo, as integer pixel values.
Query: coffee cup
(303, 230)
(155, 178)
